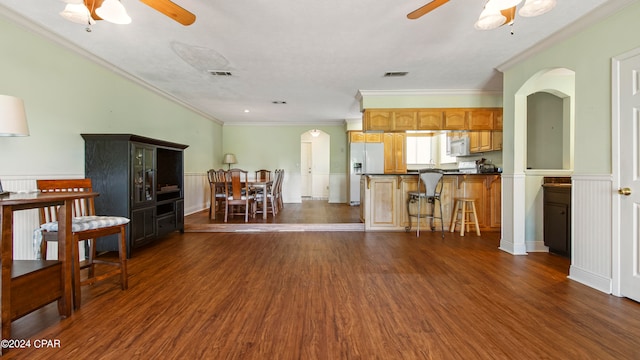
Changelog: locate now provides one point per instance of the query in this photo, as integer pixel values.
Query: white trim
(423, 92)
(590, 279)
(615, 168)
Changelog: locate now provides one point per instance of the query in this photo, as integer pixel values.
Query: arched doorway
(314, 164)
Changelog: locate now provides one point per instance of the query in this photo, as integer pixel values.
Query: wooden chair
(278, 191)
(86, 226)
(263, 175)
(238, 194)
(270, 196)
(218, 195)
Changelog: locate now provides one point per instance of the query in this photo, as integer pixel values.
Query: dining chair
(270, 206)
(218, 195)
(278, 192)
(263, 175)
(431, 181)
(238, 194)
(88, 227)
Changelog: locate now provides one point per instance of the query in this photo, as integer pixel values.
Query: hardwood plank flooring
(309, 215)
(338, 295)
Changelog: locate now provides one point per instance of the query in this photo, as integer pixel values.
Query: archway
(314, 164)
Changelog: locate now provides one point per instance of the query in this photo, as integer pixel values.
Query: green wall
(589, 54)
(271, 147)
(66, 94)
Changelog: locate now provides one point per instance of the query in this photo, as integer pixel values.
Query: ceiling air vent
(279, 102)
(219, 73)
(395, 73)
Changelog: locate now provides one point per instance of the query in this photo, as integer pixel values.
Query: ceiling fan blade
(172, 10)
(426, 8)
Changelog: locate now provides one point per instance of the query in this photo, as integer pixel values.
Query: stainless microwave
(458, 147)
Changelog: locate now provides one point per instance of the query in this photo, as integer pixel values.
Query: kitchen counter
(383, 198)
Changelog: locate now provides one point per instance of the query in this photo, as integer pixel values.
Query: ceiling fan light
(490, 19)
(501, 4)
(77, 13)
(536, 7)
(114, 12)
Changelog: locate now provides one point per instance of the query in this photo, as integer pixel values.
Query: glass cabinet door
(143, 174)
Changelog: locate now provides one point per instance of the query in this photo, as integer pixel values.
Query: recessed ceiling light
(395, 73)
(246, 110)
(279, 102)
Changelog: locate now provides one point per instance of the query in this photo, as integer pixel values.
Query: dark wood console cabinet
(139, 178)
(557, 218)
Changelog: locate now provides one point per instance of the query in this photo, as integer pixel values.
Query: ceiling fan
(166, 7)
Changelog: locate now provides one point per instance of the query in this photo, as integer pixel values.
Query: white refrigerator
(364, 158)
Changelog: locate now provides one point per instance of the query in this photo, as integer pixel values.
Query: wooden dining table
(28, 285)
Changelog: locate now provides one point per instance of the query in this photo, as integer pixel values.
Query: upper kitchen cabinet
(395, 160)
(377, 120)
(430, 119)
(481, 119)
(360, 137)
(404, 120)
(497, 123)
(455, 119)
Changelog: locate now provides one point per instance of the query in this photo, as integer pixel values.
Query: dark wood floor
(338, 295)
(309, 215)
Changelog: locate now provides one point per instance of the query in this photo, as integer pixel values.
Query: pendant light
(536, 7)
(490, 19)
(114, 12)
(77, 13)
(501, 4)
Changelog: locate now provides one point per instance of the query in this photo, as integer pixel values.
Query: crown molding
(424, 92)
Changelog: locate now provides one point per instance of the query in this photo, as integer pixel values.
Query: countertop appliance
(364, 158)
(467, 167)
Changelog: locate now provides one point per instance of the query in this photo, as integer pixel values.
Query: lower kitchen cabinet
(384, 204)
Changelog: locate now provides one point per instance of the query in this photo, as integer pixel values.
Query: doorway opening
(314, 165)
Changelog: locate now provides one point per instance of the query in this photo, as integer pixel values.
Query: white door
(629, 174)
(305, 169)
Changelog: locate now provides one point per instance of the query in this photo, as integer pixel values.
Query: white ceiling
(314, 55)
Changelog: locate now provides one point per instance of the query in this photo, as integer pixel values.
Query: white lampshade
(536, 7)
(490, 19)
(77, 13)
(229, 159)
(13, 118)
(114, 12)
(501, 4)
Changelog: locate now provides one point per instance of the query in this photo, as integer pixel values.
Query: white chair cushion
(82, 223)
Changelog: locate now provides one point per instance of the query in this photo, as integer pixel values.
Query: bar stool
(465, 207)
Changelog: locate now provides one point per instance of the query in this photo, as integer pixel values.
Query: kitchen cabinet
(360, 137)
(497, 123)
(377, 120)
(430, 120)
(481, 119)
(557, 218)
(139, 178)
(480, 141)
(496, 140)
(404, 120)
(394, 153)
(385, 199)
(455, 119)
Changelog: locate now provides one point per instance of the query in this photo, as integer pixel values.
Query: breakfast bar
(383, 199)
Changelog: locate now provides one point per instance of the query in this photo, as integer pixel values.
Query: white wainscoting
(591, 231)
(196, 192)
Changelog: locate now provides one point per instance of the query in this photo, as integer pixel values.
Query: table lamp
(13, 120)
(229, 159)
